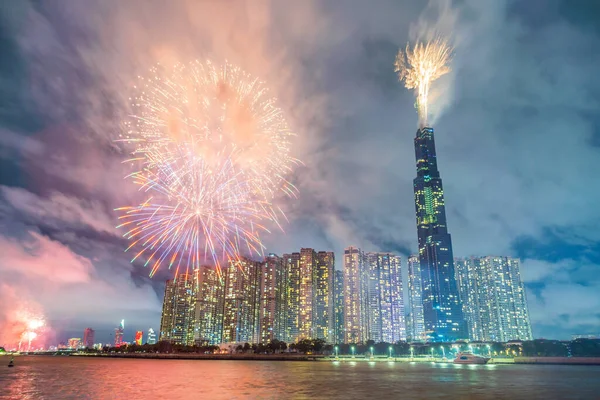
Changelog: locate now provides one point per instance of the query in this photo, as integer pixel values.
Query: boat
(466, 357)
(11, 363)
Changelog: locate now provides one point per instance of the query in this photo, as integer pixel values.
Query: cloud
(59, 210)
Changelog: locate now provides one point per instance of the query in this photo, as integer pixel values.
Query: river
(47, 377)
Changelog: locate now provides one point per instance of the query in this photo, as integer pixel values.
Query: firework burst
(419, 66)
(213, 151)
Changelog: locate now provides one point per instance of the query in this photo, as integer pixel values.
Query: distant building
(151, 338)
(139, 335)
(586, 336)
(88, 338)
(308, 259)
(415, 328)
(385, 302)
(338, 303)
(177, 320)
(493, 298)
(119, 331)
(74, 343)
(208, 287)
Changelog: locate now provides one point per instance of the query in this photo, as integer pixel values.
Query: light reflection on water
(89, 378)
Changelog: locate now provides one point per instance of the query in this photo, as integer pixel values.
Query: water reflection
(90, 378)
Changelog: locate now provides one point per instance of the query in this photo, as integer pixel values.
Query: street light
(412, 352)
(432, 352)
(372, 352)
(352, 348)
(337, 351)
(489, 350)
(443, 351)
(391, 348)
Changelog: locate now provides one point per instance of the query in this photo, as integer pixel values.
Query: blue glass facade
(442, 311)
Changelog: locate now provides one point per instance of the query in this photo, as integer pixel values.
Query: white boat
(466, 357)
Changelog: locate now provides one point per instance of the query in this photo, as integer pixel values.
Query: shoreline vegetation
(539, 351)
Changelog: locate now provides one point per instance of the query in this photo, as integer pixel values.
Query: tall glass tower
(442, 310)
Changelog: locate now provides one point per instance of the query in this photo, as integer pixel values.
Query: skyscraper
(177, 320)
(323, 296)
(88, 338)
(442, 311)
(355, 296)
(151, 336)
(119, 331)
(338, 307)
(208, 312)
(415, 324)
(385, 301)
(493, 296)
(241, 306)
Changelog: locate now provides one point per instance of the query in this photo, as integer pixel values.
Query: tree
(247, 347)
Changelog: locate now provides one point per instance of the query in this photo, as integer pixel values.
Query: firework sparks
(213, 151)
(419, 66)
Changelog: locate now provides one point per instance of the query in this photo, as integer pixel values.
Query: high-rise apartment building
(308, 259)
(151, 336)
(178, 314)
(323, 296)
(208, 290)
(338, 302)
(385, 302)
(356, 305)
(88, 338)
(442, 311)
(272, 298)
(292, 311)
(119, 331)
(493, 298)
(241, 305)
(415, 329)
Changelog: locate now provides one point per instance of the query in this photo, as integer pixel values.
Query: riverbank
(238, 357)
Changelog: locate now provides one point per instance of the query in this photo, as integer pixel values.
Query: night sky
(517, 133)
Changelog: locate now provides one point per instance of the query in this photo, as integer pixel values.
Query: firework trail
(213, 151)
(419, 66)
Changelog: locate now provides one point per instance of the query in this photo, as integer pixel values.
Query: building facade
(308, 260)
(338, 312)
(385, 298)
(139, 336)
(493, 298)
(323, 296)
(178, 314)
(292, 305)
(442, 310)
(241, 302)
(356, 302)
(415, 328)
(208, 289)
(272, 275)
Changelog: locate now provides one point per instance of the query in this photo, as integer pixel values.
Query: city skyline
(514, 123)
